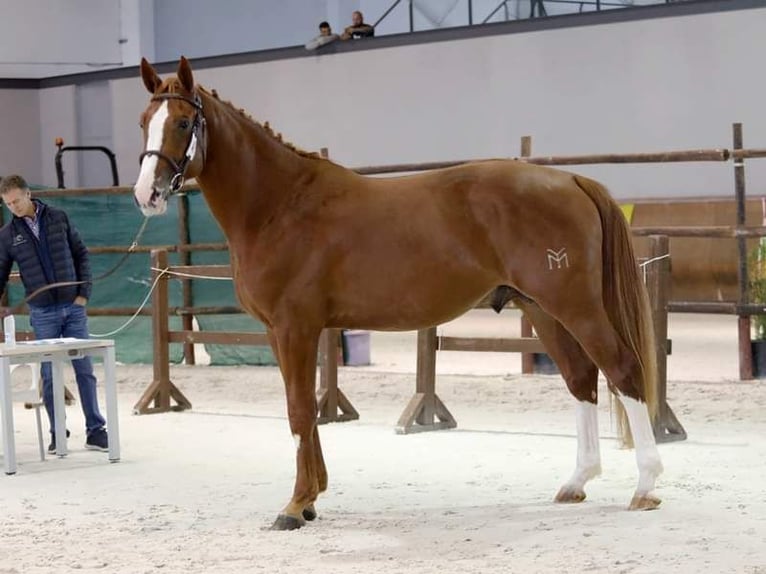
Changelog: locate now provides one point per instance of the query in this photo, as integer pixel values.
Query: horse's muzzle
(157, 203)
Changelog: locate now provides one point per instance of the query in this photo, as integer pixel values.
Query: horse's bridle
(197, 138)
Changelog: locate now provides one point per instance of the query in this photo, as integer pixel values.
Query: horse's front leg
(297, 354)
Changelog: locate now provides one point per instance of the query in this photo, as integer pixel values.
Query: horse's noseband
(196, 138)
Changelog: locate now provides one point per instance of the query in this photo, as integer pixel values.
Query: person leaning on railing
(325, 37)
(358, 28)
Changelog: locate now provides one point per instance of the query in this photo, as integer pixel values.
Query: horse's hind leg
(595, 333)
(581, 376)
(296, 350)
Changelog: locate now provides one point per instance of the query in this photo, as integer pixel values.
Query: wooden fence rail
(425, 411)
(162, 392)
(737, 154)
(426, 406)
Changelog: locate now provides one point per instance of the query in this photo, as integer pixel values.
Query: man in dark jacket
(48, 249)
(358, 29)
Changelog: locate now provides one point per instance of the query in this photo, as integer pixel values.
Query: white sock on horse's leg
(647, 455)
(588, 453)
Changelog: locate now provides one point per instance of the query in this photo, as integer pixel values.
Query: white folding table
(58, 352)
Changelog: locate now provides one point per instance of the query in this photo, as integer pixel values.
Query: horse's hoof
(309, 513)
(570, 494)
(285, 522)
(644, 502)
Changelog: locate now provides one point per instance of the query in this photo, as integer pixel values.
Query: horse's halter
(197, 138)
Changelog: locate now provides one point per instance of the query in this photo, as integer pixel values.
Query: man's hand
(80, 300)
(4, 312)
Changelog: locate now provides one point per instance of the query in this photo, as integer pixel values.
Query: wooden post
(743, 323)
(425, 405)
(185, 258)
(162, 389)
(330, 398)
(425, 375)
(527, 359)
(666, 426)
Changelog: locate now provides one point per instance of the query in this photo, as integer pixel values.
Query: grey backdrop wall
(643, 85)
(20, 133)
(193, 27)
(58, 118)
(661, 84)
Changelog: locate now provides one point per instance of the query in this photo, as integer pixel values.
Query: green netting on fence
(114, 220)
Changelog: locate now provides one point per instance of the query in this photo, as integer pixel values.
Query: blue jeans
(68, 320)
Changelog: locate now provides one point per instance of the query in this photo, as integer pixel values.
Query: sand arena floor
(195, 491)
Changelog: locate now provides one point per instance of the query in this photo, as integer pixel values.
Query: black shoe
(97, 440)
(52, 446)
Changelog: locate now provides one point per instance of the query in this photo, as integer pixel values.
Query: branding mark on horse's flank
(558, 258)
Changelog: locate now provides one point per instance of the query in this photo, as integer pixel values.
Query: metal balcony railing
(417, 15)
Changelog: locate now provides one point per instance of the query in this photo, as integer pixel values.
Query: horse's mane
(264, 126)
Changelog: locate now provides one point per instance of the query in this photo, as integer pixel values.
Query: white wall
(41, 37)
(20, 133)
(129, 98)
(77, 36)
(58, 118)
(193, 28)
(661, 84)
(136, 30)
(203, 28)
(651, 85)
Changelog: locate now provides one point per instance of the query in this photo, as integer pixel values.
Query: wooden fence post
(527, 359)
(330, 398)
(743, 322)
(425, 405)
(667, 428)
(162, 388)
(185, 258)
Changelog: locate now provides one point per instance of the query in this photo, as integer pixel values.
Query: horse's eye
(184, 124)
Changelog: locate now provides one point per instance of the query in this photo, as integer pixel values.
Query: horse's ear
(149, 75)
(185, 75)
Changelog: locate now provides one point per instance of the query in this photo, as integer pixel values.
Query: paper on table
(49, 341)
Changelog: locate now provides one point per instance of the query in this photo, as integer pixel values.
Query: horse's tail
(625, 298)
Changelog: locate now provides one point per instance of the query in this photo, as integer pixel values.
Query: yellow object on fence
(627, 211)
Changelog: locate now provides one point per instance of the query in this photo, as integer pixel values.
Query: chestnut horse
(315, 245)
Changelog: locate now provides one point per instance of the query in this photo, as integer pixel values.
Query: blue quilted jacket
(59, 255)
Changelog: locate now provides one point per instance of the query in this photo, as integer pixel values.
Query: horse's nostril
(155, 195)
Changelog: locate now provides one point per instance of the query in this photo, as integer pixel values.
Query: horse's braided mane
(265, 126)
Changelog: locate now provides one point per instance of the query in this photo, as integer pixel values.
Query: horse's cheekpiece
(197, 135)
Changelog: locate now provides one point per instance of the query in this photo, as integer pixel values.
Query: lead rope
(160, 272)
(652, 260)
(138, 311)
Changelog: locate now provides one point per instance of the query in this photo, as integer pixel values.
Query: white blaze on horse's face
(149, 197)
